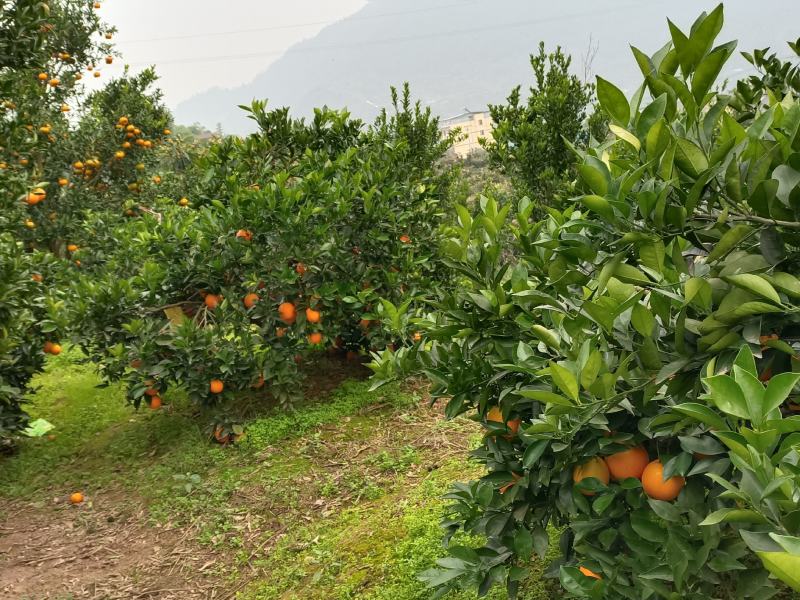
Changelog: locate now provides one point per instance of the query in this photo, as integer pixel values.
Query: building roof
(465, 116)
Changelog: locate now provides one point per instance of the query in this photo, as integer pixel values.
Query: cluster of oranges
(631, 463)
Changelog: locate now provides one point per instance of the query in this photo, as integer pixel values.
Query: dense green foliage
(594, 327)
(531, 137)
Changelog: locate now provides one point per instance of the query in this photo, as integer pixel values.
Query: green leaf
(745, 361)
(789, 543)
(595, 175)
(729, 241)
(523, 543)
(733, 515)
(690, 158)
(599, 205)
(784, 566)
(626, 136)
(727, 395)
(613, 101)
(38, 428)
(545, 397)
(701, 413)
(709, 69)
(565, 380)
(778, 389)
(643, 320)
(755, 285)
(697, 291)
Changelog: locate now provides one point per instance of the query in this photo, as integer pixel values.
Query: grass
(336, 500)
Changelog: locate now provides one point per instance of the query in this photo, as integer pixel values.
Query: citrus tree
(581, 341)
(231, 294)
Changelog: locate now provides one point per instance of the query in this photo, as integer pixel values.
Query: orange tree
(228, 295)
(580, 341)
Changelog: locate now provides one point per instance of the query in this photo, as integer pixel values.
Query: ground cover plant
(618, 350)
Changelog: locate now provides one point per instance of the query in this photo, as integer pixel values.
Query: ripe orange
(365, 324)
(62, 181)
(595, 467)
(417, 336)
(280, 331)
(151, 392)
(496, 415)
(77, 165)
(300, 269)
(155, 403)
(126, 145)
(655, 486)
(259, 383)
(109, 60)
(48, 346)
(628, 463)
(76, 498)
(55, 350)
(250, 300)
(97, 73)
(183, 202)
(42, 76)
(315, 338)
(72, 248)
(54, 82)
(119, 154)
(245, 235)
(30, 224)
(167, 132)
(37, 277)
(287, 312)
(109, 36)
(123, 121)
(156, 179)
(35, 196)
(212, 301)
(405, 239)
(65, 108)
(589, 573)
(216, 386)
(313, 316)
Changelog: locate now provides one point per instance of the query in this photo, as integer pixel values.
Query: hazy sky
(176, 34)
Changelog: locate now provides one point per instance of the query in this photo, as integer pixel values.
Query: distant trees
(530, 140)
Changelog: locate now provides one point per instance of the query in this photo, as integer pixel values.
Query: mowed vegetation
(583, 377)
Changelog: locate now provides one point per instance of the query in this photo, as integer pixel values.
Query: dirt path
(110, 548)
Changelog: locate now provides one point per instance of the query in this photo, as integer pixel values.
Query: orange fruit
(496, 415)
(589, 573)
(65, 108)
(72, 248)
(119, 154)
(315, 338)
(595, 467)
(76, 498)
(151, 392)
(245, 235)
(417, 336)
(250, 300)
(123, 121)
(259, 383)
(405, 239)
(35, 196)
(48, 347)
(280, 331)
(97, 73)
(54, 82)
(216, 386)
(30, 224)
(155, 403)
(109, 36)
(300, 268)
(77, 165)
(655, 486)
(109, 60)
(628, 463)
(212, 301)
(287, 312)
(167, 132)
(42, 76)
(313, 316)
(55, 349)
(365, 324)
(62, 181)
(136, 363)
(183, 202)
(37, 277)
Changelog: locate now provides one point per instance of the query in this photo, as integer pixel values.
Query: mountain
(468, 53)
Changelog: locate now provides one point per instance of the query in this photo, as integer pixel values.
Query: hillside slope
(468, 53)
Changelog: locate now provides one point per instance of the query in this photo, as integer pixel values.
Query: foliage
(530, 139)
(317, 219)
(593, 328)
